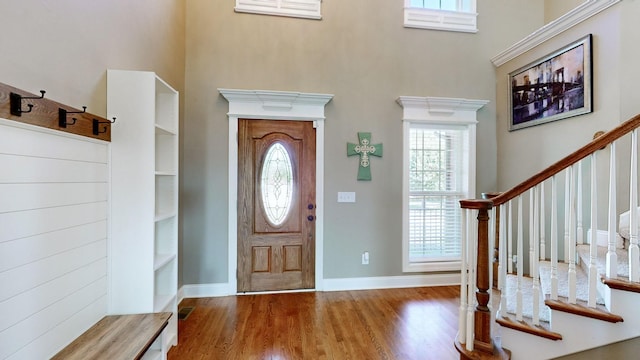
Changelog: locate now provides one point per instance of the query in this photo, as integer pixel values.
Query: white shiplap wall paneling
(53, 238)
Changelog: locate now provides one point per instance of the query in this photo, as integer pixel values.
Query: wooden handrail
(595, 145)
(476, 204)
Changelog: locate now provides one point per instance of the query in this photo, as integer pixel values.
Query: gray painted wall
(65, 47)
(615, 100)
(360, 52)
(545, 144)
(553, 9)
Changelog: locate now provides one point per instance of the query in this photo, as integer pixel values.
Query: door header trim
(281, 105)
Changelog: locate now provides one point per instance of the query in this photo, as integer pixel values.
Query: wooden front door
(276, 205)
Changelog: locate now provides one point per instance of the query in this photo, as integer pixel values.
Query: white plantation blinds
(436, 185)
(451, 5)
(448, 15)
(310, 9)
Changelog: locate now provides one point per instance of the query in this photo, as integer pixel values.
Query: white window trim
(307, 9)
(435, 111)
(447, 20)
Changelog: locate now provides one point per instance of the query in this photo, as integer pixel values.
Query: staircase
(559, 279)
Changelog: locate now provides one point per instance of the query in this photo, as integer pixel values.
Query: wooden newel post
(482, 315)
(483, 346)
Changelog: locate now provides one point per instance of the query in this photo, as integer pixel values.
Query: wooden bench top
(117, 337)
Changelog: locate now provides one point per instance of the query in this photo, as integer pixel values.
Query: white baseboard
(180, 294)
(391, 282)
(205, 290)
(346, 284)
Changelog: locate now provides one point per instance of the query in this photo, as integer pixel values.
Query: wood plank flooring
(415, 323)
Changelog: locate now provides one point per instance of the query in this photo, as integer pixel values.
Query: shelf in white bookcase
(162, 302)
(162, 260)
(166, 199)
(166, 173)
(164, 216)
(163, 130)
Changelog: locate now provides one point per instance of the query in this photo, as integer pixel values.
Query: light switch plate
(348, 197)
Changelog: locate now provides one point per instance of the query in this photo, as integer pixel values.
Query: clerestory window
(449, 15)
(309, 9)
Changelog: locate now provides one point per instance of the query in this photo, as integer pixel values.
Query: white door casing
(273, 105)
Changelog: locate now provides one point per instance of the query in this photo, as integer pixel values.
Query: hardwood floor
(415, 323)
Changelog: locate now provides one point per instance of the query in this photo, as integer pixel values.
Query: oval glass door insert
(276, 183)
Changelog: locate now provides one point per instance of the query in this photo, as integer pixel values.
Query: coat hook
(96, 126)
(62, 116)
(16, 103)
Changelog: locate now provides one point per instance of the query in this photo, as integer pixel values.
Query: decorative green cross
(364, 149)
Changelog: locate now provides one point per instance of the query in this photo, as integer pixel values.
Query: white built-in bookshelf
(143, 246)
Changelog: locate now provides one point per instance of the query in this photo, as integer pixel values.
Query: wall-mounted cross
(365, 149)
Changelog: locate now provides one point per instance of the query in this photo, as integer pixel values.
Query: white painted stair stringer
(579, 333)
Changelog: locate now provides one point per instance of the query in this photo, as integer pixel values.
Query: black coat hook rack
(96, 126)
(62, 116)
(15, 101)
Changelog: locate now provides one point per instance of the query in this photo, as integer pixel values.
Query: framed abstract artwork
(551, 88)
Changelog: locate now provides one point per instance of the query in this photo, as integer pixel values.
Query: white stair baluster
(634, 251)
(554, 238)
(543, 231)
(567, 212)
(593, 246)
(519, 264)
(612, 257)
(510, 237)
(462, 311)
(502, 268)
(491, 244)
(534, 260)
(579, 226)
(572, 239)
(473, 261)
(532, 228)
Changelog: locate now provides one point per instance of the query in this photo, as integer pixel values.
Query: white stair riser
(592, 333)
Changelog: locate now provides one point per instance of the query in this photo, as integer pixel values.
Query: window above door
(449, 15)
(309, 9)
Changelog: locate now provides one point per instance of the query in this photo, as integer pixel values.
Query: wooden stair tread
(621, 284)
(542, 330)
(581, 309)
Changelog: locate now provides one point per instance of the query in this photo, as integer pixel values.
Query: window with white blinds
(309, 9)
(436, 185)
(450, 5)
(438, 170)
(449, 15)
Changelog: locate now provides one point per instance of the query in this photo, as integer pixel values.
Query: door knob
(310, 206)
(310, 217)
